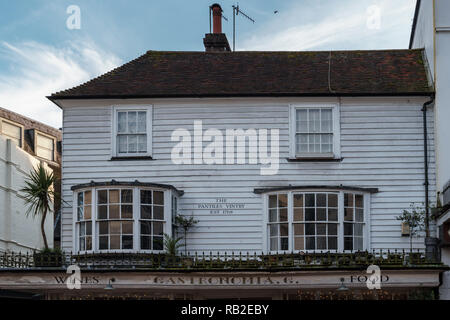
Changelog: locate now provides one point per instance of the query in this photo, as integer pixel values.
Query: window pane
(359, 215)
(348, 243)
(158, 197)
(82, 244)
(114, 243)
(11, 130)
(113, 196)
(321, 214)
(132, 122)
(45, 153)
(299, 243)
(282, 200)
(88, 243)
(127, 227)
(348, 229)
(273, 201)
(146, 227)
(273, 215)
(314, 120)
(89, 228)
(359, 201)
(146, 212)
(103, 242)
(283, 214)
(326, 120)
(298, 214)
(298, 200)
(146, 196)
(310, 243)
(332, 229)
(321, 243)
(332, 243)
(321, 229)
(142, 143)
(358, 243)
(44, 142)
(158, 243)
(103, 212)
(87, 212)
(284, 243)
(326, 143)
(302, 143)
(332, 215)
(273, 230)
(273, 244)
(114, 227)
(284, 229)
(127, 211)
(145, 243)
(310, 229)
(127, 242)
(302, 120)
(158, 212)
(158, 228)
(142, 121)
(114, 212)
(102, 196)
(87, 197)
(321, 200)
(348, 214)
(127, 196)
(80, 198)
(309, 200)
(122, 144)
(122, 122)
(132, 144)
(332, 200)
(299, 229)
(348, 199)
(358, 229)
(80, 213)
(103, 228)
(309, 214)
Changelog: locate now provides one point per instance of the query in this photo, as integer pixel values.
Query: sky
(46, 47)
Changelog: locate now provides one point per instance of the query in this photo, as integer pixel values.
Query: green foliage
(39, 195)
(185, 223)
(171, 245)
(414, 218)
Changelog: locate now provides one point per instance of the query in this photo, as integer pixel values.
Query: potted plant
(39, 195)
(414, 218)
(185, 224)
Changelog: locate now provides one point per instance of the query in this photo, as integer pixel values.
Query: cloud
(36, 70)
(322, 26)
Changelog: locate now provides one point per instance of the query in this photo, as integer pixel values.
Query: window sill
(131, 158)
(315, 159)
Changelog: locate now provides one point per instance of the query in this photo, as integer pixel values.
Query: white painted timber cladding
(381, 143)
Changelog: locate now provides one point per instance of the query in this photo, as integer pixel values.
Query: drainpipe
(431, 244)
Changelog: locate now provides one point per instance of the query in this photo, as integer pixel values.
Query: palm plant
(171, 245)
(39, 195)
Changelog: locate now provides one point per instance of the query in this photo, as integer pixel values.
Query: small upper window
(45, 147)
(132, 132)
(11, 131)
(314, 131)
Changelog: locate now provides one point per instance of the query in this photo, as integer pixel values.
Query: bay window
(122, 218)
(316, 221)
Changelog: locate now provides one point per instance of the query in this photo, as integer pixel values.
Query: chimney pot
(217, 18)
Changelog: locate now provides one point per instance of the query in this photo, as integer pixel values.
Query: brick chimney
(216, 41)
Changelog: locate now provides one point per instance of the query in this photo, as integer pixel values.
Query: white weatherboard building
(431, 31)
(194, 134)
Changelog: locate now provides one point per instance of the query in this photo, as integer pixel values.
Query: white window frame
(293, 154)
(167, 228)
(290, 193)
(115, 110)
(36, 133)
(22, 129)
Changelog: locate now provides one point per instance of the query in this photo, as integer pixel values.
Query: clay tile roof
(246, 73)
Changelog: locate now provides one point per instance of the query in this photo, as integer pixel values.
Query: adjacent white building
(431, 31)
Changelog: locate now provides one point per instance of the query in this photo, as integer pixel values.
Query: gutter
(425, 160)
